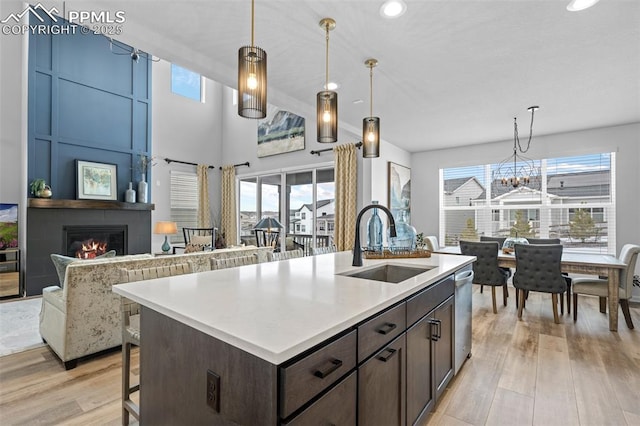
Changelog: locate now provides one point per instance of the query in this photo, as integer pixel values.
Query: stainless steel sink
(389, 273)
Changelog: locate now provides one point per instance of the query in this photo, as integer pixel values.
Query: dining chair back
(284, 255)
(232, 262)
(323, 250)
(131, 329)
(499, 240)
(538, 268)
(432, 242)
(264, 238)
(600, 287)
(485, 269)
(538, 241)
(199, 236)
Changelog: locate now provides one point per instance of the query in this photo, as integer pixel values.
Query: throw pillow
(61, 262)
(204, 240)
(192, 248)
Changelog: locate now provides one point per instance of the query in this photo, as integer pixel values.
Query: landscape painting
(400, 191)
(8, 226)
(281, 131)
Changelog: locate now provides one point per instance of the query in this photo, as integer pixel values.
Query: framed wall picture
(399, 191)
(8, 226)
(96, 181)
(281, 131)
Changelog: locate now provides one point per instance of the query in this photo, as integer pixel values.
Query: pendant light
(327, 100)
(252, 79)
(371, 124)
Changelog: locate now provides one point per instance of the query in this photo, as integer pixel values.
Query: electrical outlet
(213, 390)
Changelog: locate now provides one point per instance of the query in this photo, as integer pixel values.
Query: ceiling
(450, 73)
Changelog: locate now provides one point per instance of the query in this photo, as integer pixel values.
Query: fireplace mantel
(48, 203)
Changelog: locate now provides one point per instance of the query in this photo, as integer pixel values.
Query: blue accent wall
(86, 102)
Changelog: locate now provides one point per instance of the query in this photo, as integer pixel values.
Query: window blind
(184, 202)
(574, 201)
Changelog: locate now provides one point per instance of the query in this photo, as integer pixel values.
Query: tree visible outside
(521, 227)
(582, 226)
(469, 233)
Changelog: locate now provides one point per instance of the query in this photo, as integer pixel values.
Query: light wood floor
(530, 372)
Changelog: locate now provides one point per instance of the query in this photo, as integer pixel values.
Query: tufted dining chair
(600, 287)
(568, 279)
(500, 241)
(538, 269)
(485, 269)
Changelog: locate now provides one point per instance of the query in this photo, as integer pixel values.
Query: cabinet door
(443, 346)
(381, 386)
(419, 379)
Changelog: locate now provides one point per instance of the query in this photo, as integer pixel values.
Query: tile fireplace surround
(47, 218)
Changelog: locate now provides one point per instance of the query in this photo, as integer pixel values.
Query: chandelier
(517, 170)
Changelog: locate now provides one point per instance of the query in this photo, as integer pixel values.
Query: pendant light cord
(371, 91)
(252, 16)
(516, 139)
(326, 85)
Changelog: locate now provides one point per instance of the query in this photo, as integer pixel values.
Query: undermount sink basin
(388, 273)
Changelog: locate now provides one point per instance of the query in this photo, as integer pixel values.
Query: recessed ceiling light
(331, 86)
(577, 5)
(393, 8)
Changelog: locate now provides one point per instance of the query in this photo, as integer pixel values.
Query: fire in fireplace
(88, 242)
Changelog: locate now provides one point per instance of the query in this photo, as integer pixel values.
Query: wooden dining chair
(600, 287)
(131, 329)
(538, 269)
(485, 269)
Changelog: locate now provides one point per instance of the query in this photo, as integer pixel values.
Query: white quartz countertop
(277, 310)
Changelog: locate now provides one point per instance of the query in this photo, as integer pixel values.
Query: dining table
(576, 263)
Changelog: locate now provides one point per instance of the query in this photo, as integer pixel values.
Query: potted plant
(40, 189)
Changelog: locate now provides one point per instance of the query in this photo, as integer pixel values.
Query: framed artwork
(8, 226)
(399, 191)
(281, 131)
(96, 181)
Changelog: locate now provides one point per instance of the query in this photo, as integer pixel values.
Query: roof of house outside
(320, 203)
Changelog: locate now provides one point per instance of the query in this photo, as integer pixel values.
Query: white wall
(624, 140)
(185, 130)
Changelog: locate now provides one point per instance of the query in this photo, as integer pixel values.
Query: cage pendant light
(252, 79)
(327, 100)
(371, 124)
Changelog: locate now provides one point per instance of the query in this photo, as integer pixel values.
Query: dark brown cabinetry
(381, 386)
(429, 348)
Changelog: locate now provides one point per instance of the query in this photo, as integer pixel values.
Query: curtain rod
(319, 151)
(240, 164)
(169, 161)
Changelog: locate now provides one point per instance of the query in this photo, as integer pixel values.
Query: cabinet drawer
(309, 376)
(380, 330)
(429, 298)
(337, 407)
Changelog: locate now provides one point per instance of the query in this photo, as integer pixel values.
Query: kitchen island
(233, 346)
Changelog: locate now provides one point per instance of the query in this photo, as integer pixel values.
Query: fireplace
(88, 242)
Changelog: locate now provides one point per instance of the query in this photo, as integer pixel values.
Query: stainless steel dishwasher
(463, 292)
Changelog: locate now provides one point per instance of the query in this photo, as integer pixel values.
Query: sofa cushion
(61, 262)
(54, 295)
(192, 247)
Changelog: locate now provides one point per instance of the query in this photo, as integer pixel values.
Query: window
(291, 197)
(184, 202)
(186, 83)
(575, 203)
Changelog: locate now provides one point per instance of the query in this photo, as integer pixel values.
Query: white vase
(130, 194)
(142, 190)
